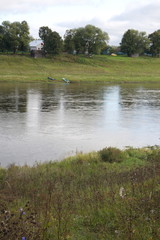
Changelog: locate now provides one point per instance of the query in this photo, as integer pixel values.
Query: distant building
(36, 48)
(36, 45)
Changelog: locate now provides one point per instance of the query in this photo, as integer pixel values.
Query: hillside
(80, 68)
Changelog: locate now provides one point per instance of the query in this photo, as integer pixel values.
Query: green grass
(110, 194)
(80, 68)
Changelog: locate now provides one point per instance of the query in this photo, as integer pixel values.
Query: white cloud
(149, 12)
(115, 17)
(27, 5)
(142, 17)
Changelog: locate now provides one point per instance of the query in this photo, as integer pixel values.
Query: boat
(66, 80)
(50, 78)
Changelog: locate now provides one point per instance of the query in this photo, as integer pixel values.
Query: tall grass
(91, 196)
(79, 68)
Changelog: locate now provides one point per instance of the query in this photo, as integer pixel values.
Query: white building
(36, 45)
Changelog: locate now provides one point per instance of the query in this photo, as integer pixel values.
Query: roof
(35, 43)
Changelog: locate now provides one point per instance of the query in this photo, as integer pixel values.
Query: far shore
(98, 68)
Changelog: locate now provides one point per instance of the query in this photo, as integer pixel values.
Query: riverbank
(110, 194)
(80, 68)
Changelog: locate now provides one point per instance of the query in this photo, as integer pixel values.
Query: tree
(6, 39)
(44, 33)
(52, 41)
(24, 37)
(69, 44)
(1, 38)
(95, 39)
(155, 43)
(134, 42)
(14, 36)
(89, 39)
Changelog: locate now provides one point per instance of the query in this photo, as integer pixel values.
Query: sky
(112, 16)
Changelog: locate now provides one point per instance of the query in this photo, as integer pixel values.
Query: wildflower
(122, 192)
(23, 238)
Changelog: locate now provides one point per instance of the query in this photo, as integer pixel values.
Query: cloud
(28, 5)
(81, 23)
(142, 17)
(113, 17)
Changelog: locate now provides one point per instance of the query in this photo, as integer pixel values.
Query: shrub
(111, 155)
(154, 156)
(139, 153)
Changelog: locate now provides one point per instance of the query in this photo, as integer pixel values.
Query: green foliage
(83, 198)
(137, 153)
(111, 155)
(88, 40)
(44, 32)
(69, 44)
(134, 42)
(154, 155)
(14, 36)
(52, 41)
(155, 43)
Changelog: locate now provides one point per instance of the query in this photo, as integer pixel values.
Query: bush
(154, 156)
(111, 155)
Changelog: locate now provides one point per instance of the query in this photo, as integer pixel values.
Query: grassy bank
(110, 194)
(80, 68)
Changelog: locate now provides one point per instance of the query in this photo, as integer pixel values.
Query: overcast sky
(112, 16)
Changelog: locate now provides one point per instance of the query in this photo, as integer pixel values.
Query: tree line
(15, 37)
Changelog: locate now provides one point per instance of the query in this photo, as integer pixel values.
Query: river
(50, 121)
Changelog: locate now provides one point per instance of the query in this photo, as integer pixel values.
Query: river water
(50, 121)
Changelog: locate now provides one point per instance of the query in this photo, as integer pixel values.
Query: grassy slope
(86, 197)
(79, 68)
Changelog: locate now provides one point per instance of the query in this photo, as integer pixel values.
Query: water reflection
(40, 122)
(12, 99)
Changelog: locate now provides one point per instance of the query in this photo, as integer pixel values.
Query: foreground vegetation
(80, 68)
(110, 194)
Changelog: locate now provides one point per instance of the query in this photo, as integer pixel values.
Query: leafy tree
(54, 43)
(6, 39)
(44, 33)
(69, 44)
(155, 43)
(134, 42)
(24, 37)
(1, 38)
(95, 39)
(14, 36)
(89, 39)
(79, 40)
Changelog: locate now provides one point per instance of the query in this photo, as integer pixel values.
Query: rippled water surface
(42, 122)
